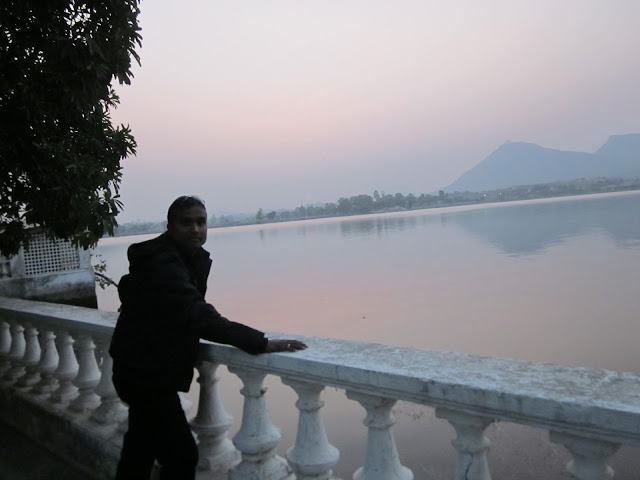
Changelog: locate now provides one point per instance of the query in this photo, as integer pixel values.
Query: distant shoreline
(575, 188)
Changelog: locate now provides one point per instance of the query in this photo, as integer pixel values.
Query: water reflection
(516, 229)
(380, 225)
(534, 227)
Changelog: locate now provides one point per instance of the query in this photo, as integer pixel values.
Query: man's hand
(284, 346)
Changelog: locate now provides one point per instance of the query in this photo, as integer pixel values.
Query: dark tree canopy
(59, 152)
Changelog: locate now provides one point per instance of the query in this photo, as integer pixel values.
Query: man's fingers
(296, 345)
(288, 345)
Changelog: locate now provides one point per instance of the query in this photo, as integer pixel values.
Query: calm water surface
(549, 280)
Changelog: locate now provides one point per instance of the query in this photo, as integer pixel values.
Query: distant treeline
(382, 202)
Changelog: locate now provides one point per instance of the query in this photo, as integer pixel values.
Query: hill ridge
(525, 163)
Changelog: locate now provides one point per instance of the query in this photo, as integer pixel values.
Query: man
(155, 342)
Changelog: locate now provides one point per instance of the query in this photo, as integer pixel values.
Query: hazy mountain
(521, 163)
(623, 151)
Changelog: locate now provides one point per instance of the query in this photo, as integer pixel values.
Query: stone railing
(54, 358)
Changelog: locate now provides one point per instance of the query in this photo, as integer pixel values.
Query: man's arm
(173, 287)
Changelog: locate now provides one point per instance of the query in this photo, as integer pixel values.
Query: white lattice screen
(46, 255)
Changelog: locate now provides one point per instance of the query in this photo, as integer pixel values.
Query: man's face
(189, 227)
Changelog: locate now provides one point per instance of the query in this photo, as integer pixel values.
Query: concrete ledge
(74, 439)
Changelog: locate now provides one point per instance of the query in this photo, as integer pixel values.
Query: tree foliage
(59, 152)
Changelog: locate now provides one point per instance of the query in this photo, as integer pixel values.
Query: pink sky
(286, 102)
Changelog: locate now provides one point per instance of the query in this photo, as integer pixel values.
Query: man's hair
(182, 203)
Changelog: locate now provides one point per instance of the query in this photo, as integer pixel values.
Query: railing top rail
(79, 319)
(597, 402)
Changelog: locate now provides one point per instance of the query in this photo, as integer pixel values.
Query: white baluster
(257, 439)
(66, 371)
(111, 410)
(88, 376)
(382, 461)
(48, 363)
(30, 359)
(589, 456)
(5, 347)
(16, 352)
(212, 422)
(312, 457)
(470, 443)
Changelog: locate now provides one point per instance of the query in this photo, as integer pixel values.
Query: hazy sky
(272, 104)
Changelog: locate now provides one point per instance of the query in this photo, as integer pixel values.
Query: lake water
(551, 280)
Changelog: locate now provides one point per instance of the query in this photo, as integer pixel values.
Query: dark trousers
(158, 429)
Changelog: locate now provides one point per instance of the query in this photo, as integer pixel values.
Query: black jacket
(164, 314)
